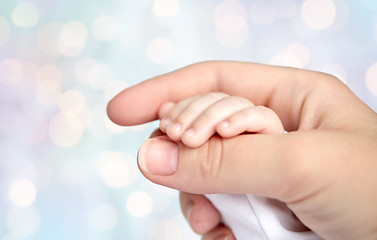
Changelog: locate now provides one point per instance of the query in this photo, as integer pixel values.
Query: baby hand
(194, 120)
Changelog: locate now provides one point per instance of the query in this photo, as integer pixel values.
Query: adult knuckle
(210, 165)
(296, 171)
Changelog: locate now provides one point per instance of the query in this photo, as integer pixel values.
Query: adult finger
(203, 217)
(310, 178)
(221, 232)
(199, 212)
(270, 86)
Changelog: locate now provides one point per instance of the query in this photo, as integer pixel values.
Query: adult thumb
(252, 163)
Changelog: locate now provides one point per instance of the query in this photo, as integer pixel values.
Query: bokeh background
(67, 172)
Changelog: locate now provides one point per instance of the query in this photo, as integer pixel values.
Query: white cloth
(259, 218)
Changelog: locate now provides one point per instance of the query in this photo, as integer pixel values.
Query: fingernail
(159, 156)
(222, 237)
(166, 122)
(188, 210)
(225, 124)
(189, 133)
(176, 127)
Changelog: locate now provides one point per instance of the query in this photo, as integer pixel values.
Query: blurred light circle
(262, 12)
(139, 204)
(34, 129)
(205, 13)
(231, 23)
(21, 168)
(318, 14)
(160, 50)
(232, 40)
(72, 38)
(72, 102)
(133, 36)
(342, 15)
(73, 34)
(49, 38)
(112, 127)
(65, 130)
(97, 126)
(74, 172)
(105, 28)
(371, 79)
(22, 193)
(285, 9)
(82, 68)
(115, 169)
(166, 8)
(300, 51)
(10, 71)
(99, 75)
(286, 59)
(4, 31)
(230, 7)
(105, 217)
(25, 14)
(49, 72)
(86, 117)
(166, 229)
(337, 70)
(22, 222)
(162, 198)
(48, 92)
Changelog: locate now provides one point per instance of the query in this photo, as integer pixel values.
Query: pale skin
(194, 120)
(324, 168)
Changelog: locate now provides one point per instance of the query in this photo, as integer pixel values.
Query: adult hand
(323, 168)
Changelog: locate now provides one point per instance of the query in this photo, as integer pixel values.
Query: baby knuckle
(266, 112)
(236, 102)
(246, 114)
(215, 96)
(187, 114)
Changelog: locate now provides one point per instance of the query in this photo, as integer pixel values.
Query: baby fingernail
(190, 132)
(176, 127)
(166, 121)
(225, 124)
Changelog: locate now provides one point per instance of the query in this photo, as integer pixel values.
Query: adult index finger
(271, 86)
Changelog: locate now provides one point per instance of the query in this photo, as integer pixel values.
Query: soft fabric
(259, 218)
